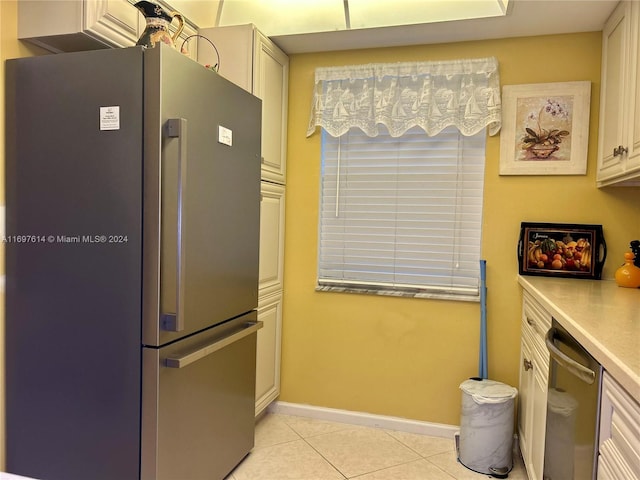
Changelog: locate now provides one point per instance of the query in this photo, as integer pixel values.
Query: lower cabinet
(533, 386)
(270, 294)
(619, 445)
(268, 351)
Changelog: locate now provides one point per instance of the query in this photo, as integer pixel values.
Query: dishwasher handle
(575, 368)
(191, 357)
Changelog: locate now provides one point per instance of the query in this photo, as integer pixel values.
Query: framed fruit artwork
(561, 250)
(545, 128)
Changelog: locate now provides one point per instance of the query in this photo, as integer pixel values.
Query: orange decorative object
(628, 275)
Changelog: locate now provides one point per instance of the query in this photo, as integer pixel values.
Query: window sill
(399, 293)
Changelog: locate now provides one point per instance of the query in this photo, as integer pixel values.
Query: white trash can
(485, 443)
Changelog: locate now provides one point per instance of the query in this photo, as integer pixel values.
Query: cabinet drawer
(539, 356)
(535, 319)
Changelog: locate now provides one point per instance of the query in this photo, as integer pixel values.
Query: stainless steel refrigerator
(132, 229)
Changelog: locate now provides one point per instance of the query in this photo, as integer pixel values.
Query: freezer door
(202, 198)
(198, 403)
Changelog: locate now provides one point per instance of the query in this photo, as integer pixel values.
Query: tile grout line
(307, 434)
(324, 458)
(386, 432)
(422, 457)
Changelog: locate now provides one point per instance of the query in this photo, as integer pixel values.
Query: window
(403, 150)
(402, 214)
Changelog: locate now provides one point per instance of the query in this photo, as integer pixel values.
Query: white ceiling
(523, 18)
(287, 17)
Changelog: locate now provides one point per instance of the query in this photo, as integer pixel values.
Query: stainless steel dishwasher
(571, 438)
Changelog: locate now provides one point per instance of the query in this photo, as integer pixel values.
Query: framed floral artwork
(545, 129)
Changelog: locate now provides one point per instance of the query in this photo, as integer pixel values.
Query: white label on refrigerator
(225, 136)
(110, 118)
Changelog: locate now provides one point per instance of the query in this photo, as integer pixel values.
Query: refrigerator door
(73, 303)
(202, 198)
(198, 402)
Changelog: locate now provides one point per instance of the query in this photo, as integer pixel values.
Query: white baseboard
(364, 419)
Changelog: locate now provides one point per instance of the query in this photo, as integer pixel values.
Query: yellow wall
(406, 357)
(10, 47)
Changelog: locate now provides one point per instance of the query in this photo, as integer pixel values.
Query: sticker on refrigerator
(110, 118)
(225, 136)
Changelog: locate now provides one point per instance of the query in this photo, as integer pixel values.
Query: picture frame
(561, 250)
(545, 128)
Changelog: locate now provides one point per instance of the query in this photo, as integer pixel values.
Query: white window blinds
(402, 213)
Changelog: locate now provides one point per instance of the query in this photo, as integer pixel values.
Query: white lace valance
(431, 95)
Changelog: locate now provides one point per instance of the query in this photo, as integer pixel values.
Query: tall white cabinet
(619, 132)
(249, 59)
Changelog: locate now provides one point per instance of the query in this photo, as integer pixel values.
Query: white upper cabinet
(66, 26)
(619, 136)
(270, 83)
(249, 59)
(76, 25)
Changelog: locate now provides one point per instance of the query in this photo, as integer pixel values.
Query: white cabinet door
(252, 61)
(268, 351)
(534, 373)
(231, 49)
(614, 64)
(619, 441)
(619, 132)
(270, 83)
(525, 400)
(113, 20)
(539, 414)
(633, 159)
(66, 26)
(272, 212)
(532, 412)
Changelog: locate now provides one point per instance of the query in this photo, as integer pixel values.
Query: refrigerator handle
(177, 128)
(191, 357)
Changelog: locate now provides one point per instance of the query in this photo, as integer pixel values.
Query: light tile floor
(298, 448)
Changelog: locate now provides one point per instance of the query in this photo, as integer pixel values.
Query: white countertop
(602, 316)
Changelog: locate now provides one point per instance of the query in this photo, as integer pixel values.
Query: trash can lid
(561, 402)
(488, 391)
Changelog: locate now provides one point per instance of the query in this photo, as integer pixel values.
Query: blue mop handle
(482, 373)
